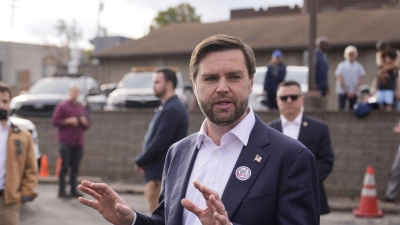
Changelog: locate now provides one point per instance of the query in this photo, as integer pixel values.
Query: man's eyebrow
(208, 74)
(235, 72)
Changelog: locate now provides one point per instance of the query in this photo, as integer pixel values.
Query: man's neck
(215, 132)
(166, 97)
(3, 123)
(291, 118)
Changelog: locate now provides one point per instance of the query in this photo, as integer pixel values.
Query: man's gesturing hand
(215, 213)
(109, 204)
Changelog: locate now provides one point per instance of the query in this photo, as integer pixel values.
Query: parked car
(43, 96)
(135, 90)
(30, 127)
(296, 73)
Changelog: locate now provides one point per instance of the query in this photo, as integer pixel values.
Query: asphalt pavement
(48, 209)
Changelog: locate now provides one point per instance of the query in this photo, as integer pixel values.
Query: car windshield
(140, 80)
(55, 86)
(300, 77)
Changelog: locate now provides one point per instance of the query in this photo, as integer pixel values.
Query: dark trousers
(342, 101)
(71, 157)
(271, 100)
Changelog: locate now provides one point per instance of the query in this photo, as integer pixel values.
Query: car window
(142, 80)
(299, 76)
(259, 78)
(62, 85)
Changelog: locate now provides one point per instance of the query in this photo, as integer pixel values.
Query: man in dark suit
(235, 170)
(313, 133)
(169, 125)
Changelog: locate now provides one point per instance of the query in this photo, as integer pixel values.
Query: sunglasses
(285, 97)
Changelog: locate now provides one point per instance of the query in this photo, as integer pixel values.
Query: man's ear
(251, 85)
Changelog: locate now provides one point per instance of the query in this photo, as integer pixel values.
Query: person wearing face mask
(18, 165)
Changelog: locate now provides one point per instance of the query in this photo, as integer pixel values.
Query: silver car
(135, 90)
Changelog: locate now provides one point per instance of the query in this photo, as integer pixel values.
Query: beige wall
(17, 57)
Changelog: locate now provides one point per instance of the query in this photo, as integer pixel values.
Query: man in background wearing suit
(235, 170)
(313, 133)
(169, 125)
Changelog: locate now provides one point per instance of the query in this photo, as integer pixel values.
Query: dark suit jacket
(282, 188)
(169, 125)
(314, 134)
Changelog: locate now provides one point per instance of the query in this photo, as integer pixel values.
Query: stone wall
(115, 138)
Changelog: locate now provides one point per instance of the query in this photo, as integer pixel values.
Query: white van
(295, 73)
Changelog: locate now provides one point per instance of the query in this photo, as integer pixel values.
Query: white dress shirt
(291, 128)
(214, 164)
(3, 152)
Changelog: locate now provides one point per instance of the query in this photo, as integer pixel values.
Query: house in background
(103, 42)
(172, 45)
(22, 64)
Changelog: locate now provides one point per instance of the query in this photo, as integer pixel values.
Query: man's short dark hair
(169, 75)
(5, 88)
(217, 43)
(287, 83)
(382, 45)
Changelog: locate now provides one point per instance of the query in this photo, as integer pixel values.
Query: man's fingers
(191, 207)
(90, 192)
(206, 191)
(217, 205)
(87, 202)
(123, 210)
(222, 219)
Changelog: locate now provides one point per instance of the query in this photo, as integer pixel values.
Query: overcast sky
(35, 20)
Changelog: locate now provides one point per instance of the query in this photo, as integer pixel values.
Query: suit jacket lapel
(187, 160)
(303, 129)
(236, 189)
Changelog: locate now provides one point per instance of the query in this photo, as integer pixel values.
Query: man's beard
(240, 108)
(161, 93)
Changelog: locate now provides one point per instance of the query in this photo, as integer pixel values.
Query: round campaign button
(243, 173)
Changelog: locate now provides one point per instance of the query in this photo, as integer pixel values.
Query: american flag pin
(258, 158)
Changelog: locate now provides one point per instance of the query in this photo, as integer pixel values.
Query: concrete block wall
(115, 138)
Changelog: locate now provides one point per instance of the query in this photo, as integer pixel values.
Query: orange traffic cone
(369, 203)
(44, 166)
(58, 167)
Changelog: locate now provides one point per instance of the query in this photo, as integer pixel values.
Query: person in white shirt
(314, 134)
(235, 170)
(349, 74)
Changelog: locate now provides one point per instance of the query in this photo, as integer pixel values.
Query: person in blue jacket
(322, 65)
(275, 75)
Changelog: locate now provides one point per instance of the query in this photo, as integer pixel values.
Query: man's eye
(210, 79)
(235, 77)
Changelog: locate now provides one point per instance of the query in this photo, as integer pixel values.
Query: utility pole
(312, 6)
(99, 28)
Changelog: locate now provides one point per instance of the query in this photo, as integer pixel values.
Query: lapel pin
(305, 123)
(243, 173)
(258, 158)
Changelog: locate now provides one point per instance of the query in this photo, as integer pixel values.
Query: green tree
(183, 13)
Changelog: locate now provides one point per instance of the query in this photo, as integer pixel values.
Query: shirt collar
(7, 127)
(242, 130)
(297, 120)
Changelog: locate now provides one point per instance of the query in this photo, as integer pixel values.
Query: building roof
(357, 27)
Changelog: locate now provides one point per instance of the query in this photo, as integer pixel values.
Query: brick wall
(115, 138)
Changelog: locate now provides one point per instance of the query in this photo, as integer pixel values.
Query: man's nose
(222, 86)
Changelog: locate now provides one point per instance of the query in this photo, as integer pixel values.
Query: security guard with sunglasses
(314, 134)
(18, 166)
